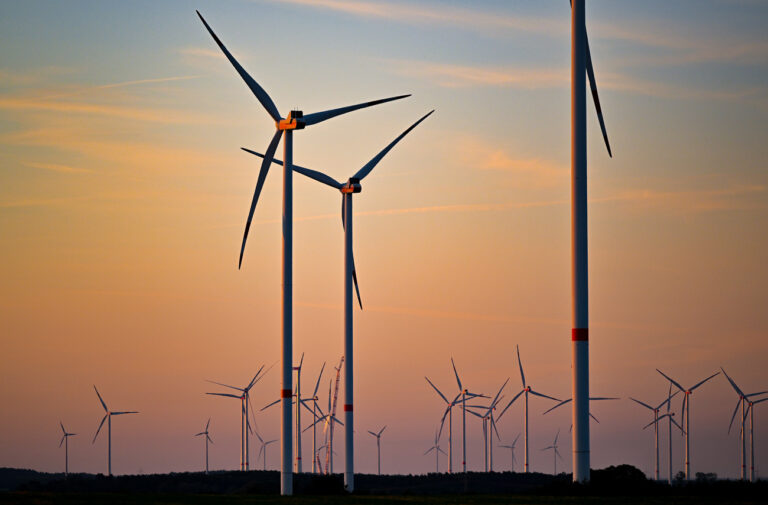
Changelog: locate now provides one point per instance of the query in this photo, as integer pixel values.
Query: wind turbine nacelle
(352, 186)
(292, 122)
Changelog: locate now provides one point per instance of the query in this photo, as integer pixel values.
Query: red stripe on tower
(347, 408)
(580, 334)
(285, 393)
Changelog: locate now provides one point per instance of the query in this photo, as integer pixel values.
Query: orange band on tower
(285, 393)
(347, 408)
(580, 334)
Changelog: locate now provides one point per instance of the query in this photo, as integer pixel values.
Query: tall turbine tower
(655, 423)
(742, 402)
(581, 67)
(296, 120)
(448, 412)
(378, 447)
(347, 190)
(108, 417)
(207, 439)
(65, 440)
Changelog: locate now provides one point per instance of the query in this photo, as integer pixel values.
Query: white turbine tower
(352, 186)
(436, 447)
(245, 424)
(65, 440)
(511, 448)
(555, 452)
(378, 447)
(751, 412)
(296, 120)
(742, 402)
(108, 417)
(686, 413)
(581, 64)
(448, 412)
(525, 391)
(207, 439)
(655, 423)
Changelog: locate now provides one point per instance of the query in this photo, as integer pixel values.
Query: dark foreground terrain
(615, 485)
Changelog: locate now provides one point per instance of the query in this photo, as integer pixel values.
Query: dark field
(614, 485)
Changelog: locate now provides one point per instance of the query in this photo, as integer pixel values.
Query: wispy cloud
(54, 167)
(452, 75)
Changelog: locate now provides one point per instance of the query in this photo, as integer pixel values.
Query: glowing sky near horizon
(123, 196)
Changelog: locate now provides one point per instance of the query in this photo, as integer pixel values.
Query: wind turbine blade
(738, 404)
(750, 395)
(257, 90)
(62, 427)
(550, 397)
(597, 398)
(669, 398)
(556, 406)
(442, 451)
(62, 440)
(644, 404)
(681, 388)
(225, 385)
(593, 417)
(442, 422)
(317, 384)
(224, 394)
(312, 174)
(474, 413)
(678, 426)
(102, 401)
(209, 438)
(318, 117)
(513, 443)
(495, 398)
(308, 409)
(558, 454)
(595, 97)
(265, 407)
(125, 412)
(556, 437)
(510, 404)
(682, 419)
(656, 420)
(372, 433)
(457, 374)
(354, 281)
(366, 169)
(428, 451)
(735, 387)
(437, 390)
(495, 429)
(382, 430)
(201, 433)
(301, 361)
(705, 380)
(259, 184)
(759, 401)
(99, 429)
(207, 424)
(259, 437)
(520, 363)
(254, 380)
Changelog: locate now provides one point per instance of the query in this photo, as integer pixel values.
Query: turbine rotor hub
(292, 122)
(352, 186)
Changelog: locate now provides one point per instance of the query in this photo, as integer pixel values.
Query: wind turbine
(378, 445)
(751, 411)
(245, 425)
(108, 417)
(581, 64)
(436, 447)
(686, 421)
(525, 391)
(743, 398)
(65, 440)
(352, 186)
(655, 423)
(464, 392)
(511, 448)
(207, 439)
(296, 120)
(316, 418)
(448, 412)
(555, 452)
(263, 448)
(298, 413)
(488, 426)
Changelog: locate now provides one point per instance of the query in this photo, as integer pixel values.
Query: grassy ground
(39, 498)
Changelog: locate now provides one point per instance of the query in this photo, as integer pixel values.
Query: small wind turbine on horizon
(245, 424)
(670, 421)
(263, 448)
(655, 424)
(742, 402)
(378, 446)
(436, 447)
(488, 426)
(348, 189)
(448, 412)
(511, 448)
(296, 120)
(207, 439)
(465, 393)
(65, 440)
(751, 412)
(525, 391)
(108, 417)
(686, 421)
(555, 452)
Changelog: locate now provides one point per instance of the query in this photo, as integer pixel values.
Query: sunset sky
(124, 194)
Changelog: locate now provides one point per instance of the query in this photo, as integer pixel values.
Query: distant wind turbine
(263, 448)
(511, 448)
(436, 447)
(65, 440)
(108, 417)
(296, 120)
(655, 411)
(525, 391)
(207, 439)
(489, 426)
(465, 393)
(742, 402)
(555, 452)
(686, 417)
(448, 412)
(378, 446)
(751, 412)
